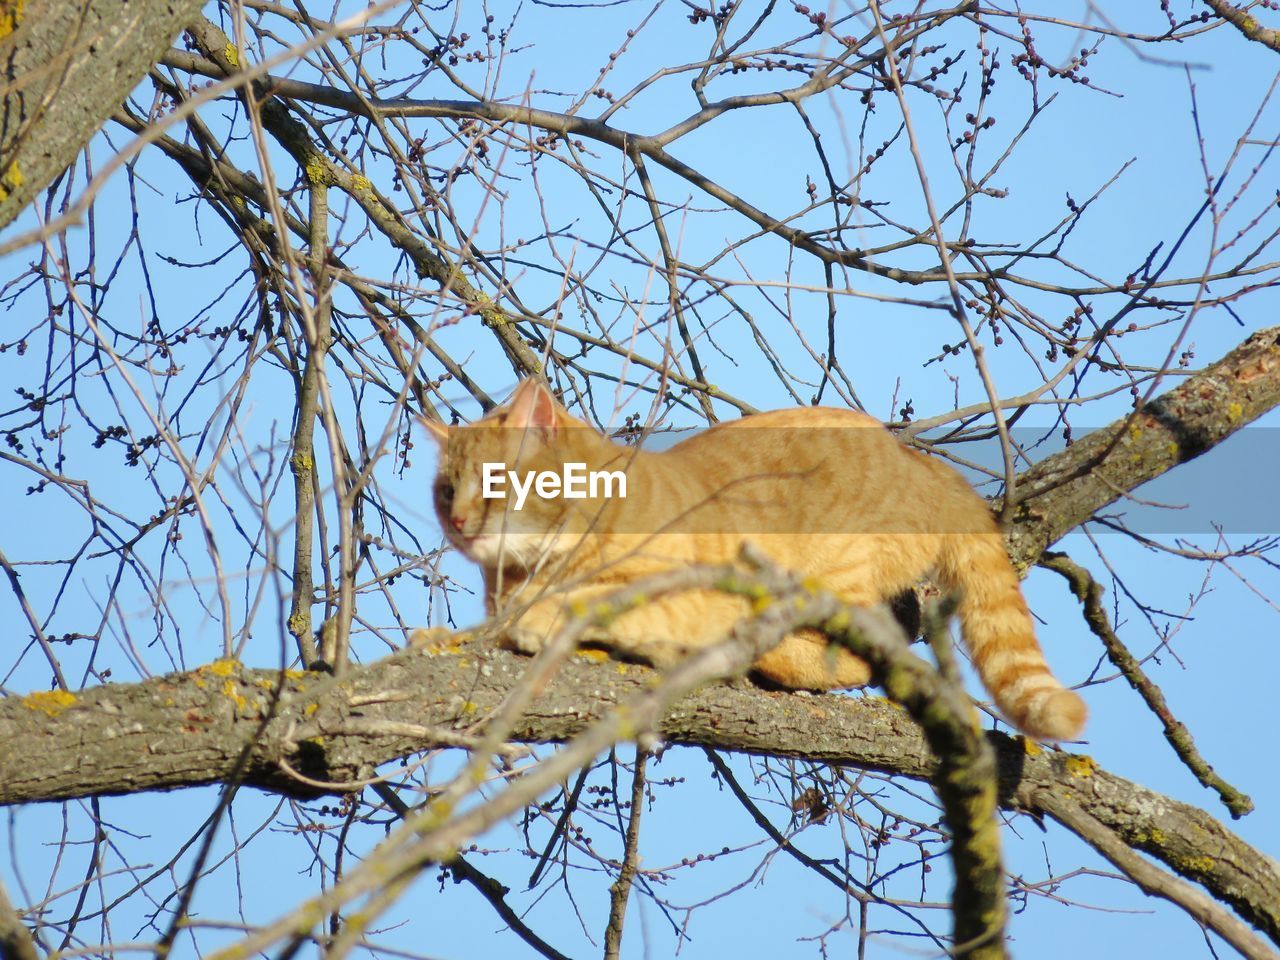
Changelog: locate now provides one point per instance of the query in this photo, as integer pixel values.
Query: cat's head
(476, 499)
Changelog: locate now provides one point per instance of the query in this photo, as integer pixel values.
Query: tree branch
(1245, 23)
(1089, 592)
(294, 136)
(188, 729)
(68, 66)
(1156, 882)
(620, 889)
(16, 942)
(462, 869)
(1063, 491)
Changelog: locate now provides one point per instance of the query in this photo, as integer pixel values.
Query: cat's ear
(439, 431)
(532, 407)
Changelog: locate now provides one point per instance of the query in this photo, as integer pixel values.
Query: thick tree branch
(1063, 491)
(965, 777)
(188, 729)
(67, 66)
(1245, 23)
(1156, 882)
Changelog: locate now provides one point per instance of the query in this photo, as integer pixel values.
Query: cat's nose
(458, 523)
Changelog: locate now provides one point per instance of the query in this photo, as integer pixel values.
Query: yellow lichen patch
(1195, 865)
(264, 684)
(12, 178)
(469, 707)
(440, 649)
(295, 674)
(232, 692)
(622, 668)
(1234, 412)
(577, 608)
(761, 602)
(590, 653)
(361, 184)
(1081, 765)
(231, 54)
(49, 702)
(1135, 431)
(221, 668)
(310, 709)
(1032, 748)
(316, 172)
(1172, 448)
(12, 13)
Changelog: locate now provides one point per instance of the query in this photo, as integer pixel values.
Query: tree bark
(1066, 489)
(67, 66)
(193, 728)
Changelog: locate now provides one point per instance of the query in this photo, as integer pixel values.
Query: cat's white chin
(507, 549)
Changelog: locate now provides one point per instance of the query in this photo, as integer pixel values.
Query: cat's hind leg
(806, 660)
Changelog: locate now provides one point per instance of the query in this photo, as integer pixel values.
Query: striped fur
(828, 493)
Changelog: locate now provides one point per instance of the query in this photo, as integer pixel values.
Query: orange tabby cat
(824, 492)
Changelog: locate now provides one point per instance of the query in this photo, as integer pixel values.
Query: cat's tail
(999, 632)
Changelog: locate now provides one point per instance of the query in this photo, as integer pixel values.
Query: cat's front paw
(436, 640)
(522, 640)
(531, 628)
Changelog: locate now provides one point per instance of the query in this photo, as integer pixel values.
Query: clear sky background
(1220, 677)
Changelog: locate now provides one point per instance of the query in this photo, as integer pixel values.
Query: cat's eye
(444, 493)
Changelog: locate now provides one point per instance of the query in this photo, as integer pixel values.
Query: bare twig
(1157, 882)
(1089, 592)
(620, 889)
